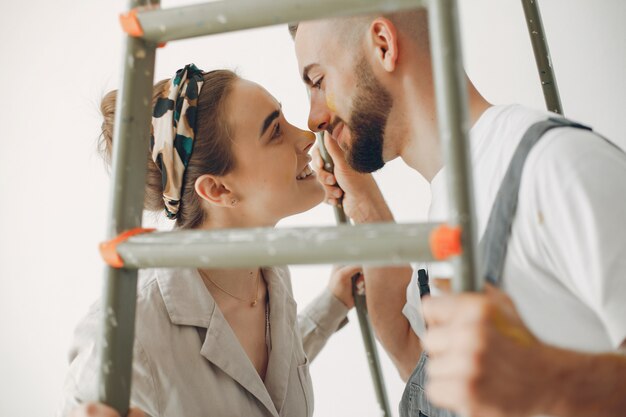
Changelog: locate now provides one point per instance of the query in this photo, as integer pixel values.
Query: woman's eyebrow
(268, 121)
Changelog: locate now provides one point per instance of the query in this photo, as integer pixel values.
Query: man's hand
(101, 410)
(484, 362)
(362, 200)
(364, 203)
(483, 359)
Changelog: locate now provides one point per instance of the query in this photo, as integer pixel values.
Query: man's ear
(214, 191)
(383, 38)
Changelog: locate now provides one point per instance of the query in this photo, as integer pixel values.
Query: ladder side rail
(375, 244)
(163, 25)
(130, 144)
(340, 214)
(542, 56)
(360, 305)
(452, 115)
(371, 352)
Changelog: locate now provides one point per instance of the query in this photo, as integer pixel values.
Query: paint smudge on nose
(330, 102)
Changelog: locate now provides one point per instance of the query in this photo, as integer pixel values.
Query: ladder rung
(163, 25)
(383, 243)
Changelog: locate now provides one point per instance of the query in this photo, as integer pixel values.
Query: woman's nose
(306, 142)
(319, 114)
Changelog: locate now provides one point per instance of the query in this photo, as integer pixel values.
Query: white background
(59, 57)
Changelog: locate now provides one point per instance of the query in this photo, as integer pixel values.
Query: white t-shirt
(566, 262)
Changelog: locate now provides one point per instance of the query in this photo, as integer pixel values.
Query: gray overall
(493, 249)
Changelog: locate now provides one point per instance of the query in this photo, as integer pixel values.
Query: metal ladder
(129, 248)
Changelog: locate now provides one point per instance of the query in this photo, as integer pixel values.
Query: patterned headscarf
(173, 132)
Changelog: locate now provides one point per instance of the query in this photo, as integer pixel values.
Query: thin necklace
(256, 291)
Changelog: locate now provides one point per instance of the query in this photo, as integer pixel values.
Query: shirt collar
(189, 302)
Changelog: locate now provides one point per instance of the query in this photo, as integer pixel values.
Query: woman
(220, 342)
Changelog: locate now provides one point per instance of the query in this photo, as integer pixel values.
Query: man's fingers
(319, 165)
(449, 367)
(463, 307)
(443, 340)
(335, 192)
(135, 412)
(316, 159)
(323, 176)
(467, 308)
(326, 177)
(446, 394)
(94, 410)
(436, 340)
(332, 191)
(334, 150)
(438, 310)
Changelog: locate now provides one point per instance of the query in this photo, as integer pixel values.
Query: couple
(370, 78)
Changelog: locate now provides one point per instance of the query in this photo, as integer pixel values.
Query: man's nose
(319, 114)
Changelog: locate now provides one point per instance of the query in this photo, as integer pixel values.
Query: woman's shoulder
(146, 286)
(148, 295)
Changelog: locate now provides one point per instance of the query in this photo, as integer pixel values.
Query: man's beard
(368, 120)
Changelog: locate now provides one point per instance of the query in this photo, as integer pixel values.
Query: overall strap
(496, 238)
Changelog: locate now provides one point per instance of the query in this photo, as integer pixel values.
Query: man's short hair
(412, 22)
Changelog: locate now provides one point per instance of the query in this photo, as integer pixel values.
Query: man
(552, 347)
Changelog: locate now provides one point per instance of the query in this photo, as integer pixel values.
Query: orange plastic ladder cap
(445, 241)
(130, 24)
(108, 249)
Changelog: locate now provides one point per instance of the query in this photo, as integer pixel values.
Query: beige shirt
(189, 363)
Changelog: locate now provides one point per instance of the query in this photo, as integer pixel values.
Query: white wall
(58, 58)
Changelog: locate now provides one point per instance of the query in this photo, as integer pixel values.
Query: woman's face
(272, 178)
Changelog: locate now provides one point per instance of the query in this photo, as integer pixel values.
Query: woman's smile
(306, 174)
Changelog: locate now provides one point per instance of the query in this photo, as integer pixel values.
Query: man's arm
(586, 384)
(385, 286)
(485, 362)
(386, 296)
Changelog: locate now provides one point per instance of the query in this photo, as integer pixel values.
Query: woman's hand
(340, 283)
(101, 410)
(361, 198)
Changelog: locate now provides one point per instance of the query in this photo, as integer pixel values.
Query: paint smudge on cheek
(330, 102)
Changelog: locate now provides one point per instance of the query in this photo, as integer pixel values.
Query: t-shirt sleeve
(412, 310)
(580, 186)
